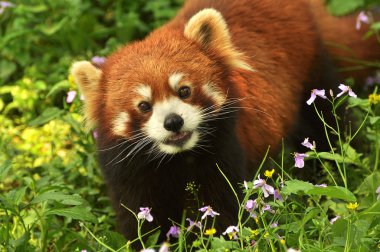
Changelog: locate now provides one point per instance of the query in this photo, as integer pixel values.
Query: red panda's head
(162, 89)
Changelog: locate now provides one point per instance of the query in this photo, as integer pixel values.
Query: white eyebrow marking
(174, 80)
(119, 123)
(145, 91)
(214, 93)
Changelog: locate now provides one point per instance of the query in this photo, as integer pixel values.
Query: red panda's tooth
(120, 123)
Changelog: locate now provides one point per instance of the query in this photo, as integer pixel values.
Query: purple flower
(334, 219)
(232, 232)
(148, 250)
(71, 96)
(321, 185)
(267, 189)
(266, 207)
(95, 134)
(298, 159)
(98, 61)
(193, 224)
(361, 18)
(274, 225)
(277, 195)
(145, 214)
(4, 5)
(174, 231)
(314, 94)
(346, 89)
(207, 210)
(251, 205)
(307, 144)
(378, 192)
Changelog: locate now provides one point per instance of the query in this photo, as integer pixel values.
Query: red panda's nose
(173, 122)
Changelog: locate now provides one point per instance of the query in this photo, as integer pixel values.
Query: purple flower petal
(314, 94)
(208, 212)
(299, 159)
(174, 231)
(346, 89)
(378, 192)
(277, 195)
(145, 214)
(98, 61)
(71, 96)
(251, 205)
(361, 18)
(307, 144)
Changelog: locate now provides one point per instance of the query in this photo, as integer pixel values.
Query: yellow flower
(257, 220)
(210, 231)
(255, 232)
(282, 241)
(268, 173)
(352, 206)
(71, 78)
(266, 234)
(374, 98)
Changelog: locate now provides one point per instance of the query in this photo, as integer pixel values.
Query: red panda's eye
(145, 107)
(184, 92)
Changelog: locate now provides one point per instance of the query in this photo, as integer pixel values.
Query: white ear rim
(86, 75)
(222, 37)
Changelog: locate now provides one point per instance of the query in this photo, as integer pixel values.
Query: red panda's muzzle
(179, 138)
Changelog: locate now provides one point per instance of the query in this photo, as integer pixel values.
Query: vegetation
(52, 195)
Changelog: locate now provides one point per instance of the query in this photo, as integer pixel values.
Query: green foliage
(52, 195)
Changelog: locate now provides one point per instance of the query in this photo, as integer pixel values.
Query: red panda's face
(160, 100)
(161, 91)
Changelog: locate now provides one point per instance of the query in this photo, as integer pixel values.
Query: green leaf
(343, 7)
(374, 119)
(17, 195)
(7, 68)
(370, 184)
(76, 212)
(294, 186)
(62, 85)
(333, 192)
(46, 116)
(60, 197)
(373, 211)
(337, 157)
(115, 240)
(152, 240)
(4, 169)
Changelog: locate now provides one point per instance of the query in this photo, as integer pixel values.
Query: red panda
(218, 84)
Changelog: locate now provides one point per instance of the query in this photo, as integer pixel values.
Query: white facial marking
(174, 80)
(145, 91)
(154, 127)
(214, 93)
(119, 123)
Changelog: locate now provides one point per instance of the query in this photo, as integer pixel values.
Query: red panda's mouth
(179, 138)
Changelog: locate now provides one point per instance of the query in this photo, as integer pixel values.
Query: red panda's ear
(210, 30)
(87, 77)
